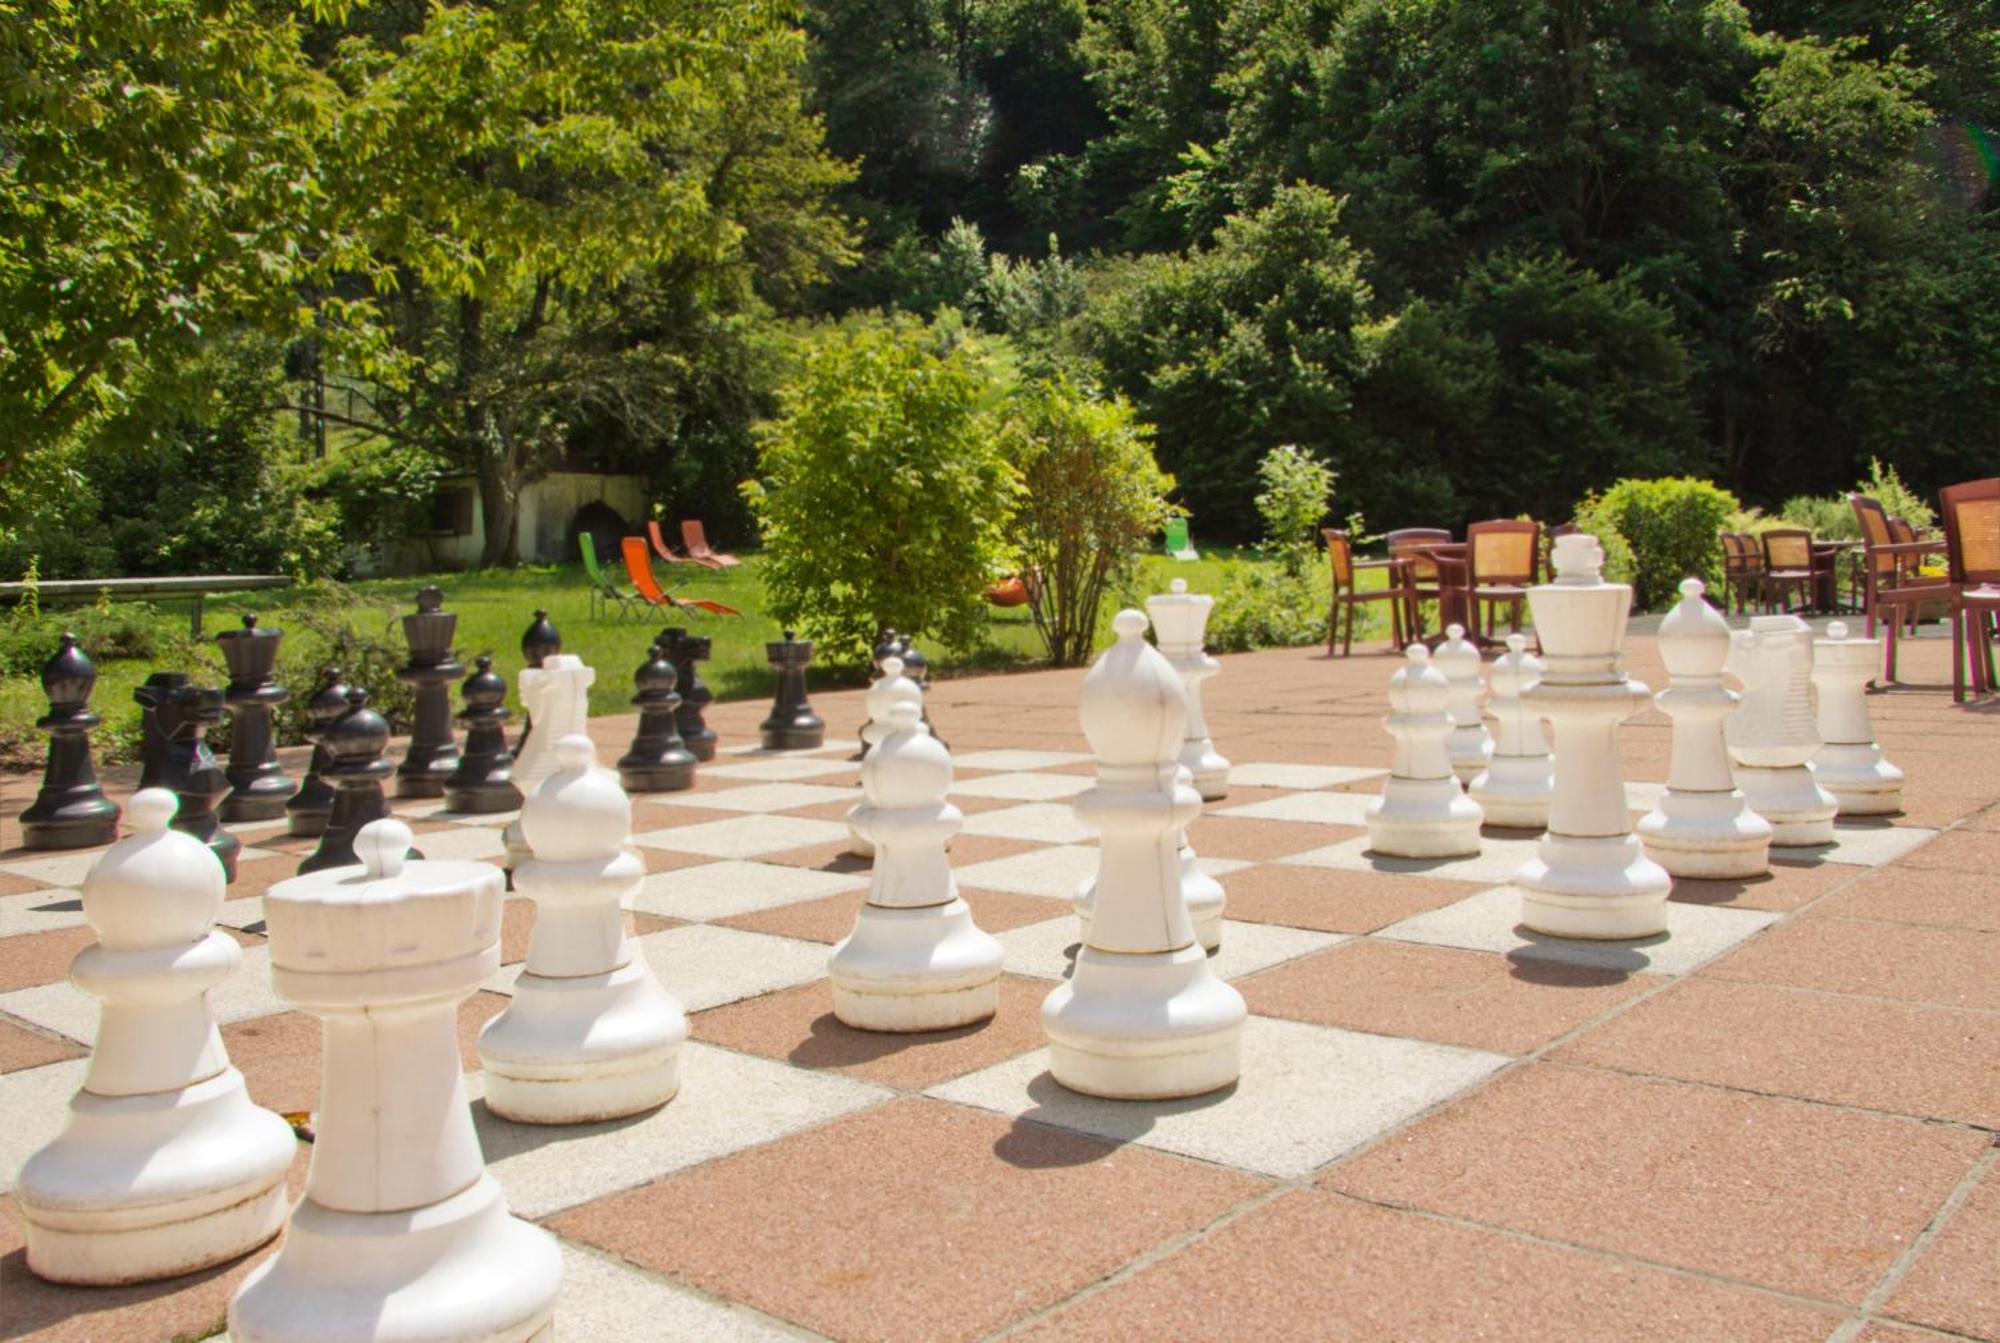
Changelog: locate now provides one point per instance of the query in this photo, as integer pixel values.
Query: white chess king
(1143, 1016)
(1772, 734)
(164, 1166)
(1850, 765)
(1423, 811)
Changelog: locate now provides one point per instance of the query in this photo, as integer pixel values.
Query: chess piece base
(1712, 836)
(482, 801)
(1424, 818)
(663, 779)
(573, 1051)
(307, 824)
(1144, 1027)
(1596, 887)
(1210, 770)
(150, 1186)
(700, 744)
(460, 1271)
(1514, 791)
(428, 782)
(793, 736)
(1861, 781)
(1800, 811)
(1471, 751)
(925, 969)
(82, 824)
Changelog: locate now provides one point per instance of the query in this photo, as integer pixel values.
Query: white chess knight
(1470, 744)
(1702, 826)
(590, 1034)
(403, 1236)
(1850, 765)
(557, 698)
(1142, 1016)
(164, 1166)
(1772, 734)
(884, 692)
(1180, 623)
(1423, 811)
(915, 961)
(1590, 877)
(1515, 787)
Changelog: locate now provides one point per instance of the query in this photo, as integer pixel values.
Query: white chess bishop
(557, 698)
(1515, 787)
(1180, 623)
(1772, 734)
(1470, 744)
(1202, 893)
(915, 961)
(1423, 811)
(403, 1236)
(164, 1166)
(589, 1034)
(1590, 877)
(1850, 765)
(1142, 1016)
(1702, 825)
(884, 693)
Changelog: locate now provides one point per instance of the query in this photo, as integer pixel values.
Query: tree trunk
(486, 445)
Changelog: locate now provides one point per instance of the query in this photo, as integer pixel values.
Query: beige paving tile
(1018, 760)
(1490, 921)
(607, 1299)
(744, 836)
(1044, 822)
(63, 869)
(1498, 860)
(769, 797)
(704, 965)
(1264, 775)
(1022, 787)
(1316, 808)
(1053, 872)
(36, 1103)
(1046, 950)
(778, 769)
(68, 1010)
(717, 890)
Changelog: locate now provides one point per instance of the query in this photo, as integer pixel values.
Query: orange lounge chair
(639, 568)
(666, 552)
(696, 541)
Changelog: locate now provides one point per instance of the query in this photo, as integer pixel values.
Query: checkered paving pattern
(1776, 1121)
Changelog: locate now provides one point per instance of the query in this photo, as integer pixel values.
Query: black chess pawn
(183, 714)
(258, 786)
(659, 761)
(918, 668)
(540, 641)
(433, 753)
(792, 725)
(357, 765)
(152, 695)
(71, 811)
(313, 803)
(481, 784)
(687, 651)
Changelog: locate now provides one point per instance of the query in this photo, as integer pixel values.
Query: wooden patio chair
(667, 552)
(639, 568)
(1425, 578)
(1501, 560)
(696, 541)
(1790, 567)
(604, 594)
(1347, 594)
(1892, 588)
(1972, 576)
(1742, 571)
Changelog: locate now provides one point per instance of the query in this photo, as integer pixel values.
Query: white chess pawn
(1702, 826)
(403, 1236)
(590, 1033)
(1772, 734)
(1515, 787)
(1202, 893)
(164, 1166)
(557, 698)
(1470, 744)
(1590, 877)
(915, 961)
(884, 692)
(1180, 623)
(1423, 811)
(1142, 1016)
(1850, 765)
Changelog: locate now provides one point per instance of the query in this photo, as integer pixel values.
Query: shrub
(1094, 500)
(1670, 527)
(1257, 606)
(1830, 519)
(886, 495)
(1897, 499)
(1298, 490)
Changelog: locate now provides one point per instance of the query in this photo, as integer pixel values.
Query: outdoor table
(1454, 564)
(83, 591)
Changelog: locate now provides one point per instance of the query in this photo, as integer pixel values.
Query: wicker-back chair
(1972, 548)
(1501, 558)
(1742, 571)
(1426, 576)
(1789, 567)
(1892, 586)
(1343, 569)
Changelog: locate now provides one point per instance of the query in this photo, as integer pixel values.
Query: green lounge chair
(603, 592)
(1178, 544)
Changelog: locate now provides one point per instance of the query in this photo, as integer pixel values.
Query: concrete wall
(547, 507)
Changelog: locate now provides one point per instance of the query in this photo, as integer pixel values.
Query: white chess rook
(915, 961)
(164, 1166)
(1772, 734)
(1590, 877)
(590, 1034)
(1470, 744)
(1423, 811)
(1142, 1016)
(1180, 623)
(1850, 765)
(403, 1236)
(883, 693)
(557, 698)
(1702, 826)
(1202, 893)
(1515, 787)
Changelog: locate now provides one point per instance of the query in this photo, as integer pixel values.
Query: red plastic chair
(666, 552)
(639, 568)
(696, 541)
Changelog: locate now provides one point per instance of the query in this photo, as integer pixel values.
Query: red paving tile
(1262, 841)
(1786, 887)
(1958, 850)
(41, 958)
(25, 1046)
(917, 1222)
(279, 1055)
(11, 884)
(1312, 1266)
(1951, 967)
(1331, 900)
(1802, 1198)
(1955, 1283)
(1921, 895)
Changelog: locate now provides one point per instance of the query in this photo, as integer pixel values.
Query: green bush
(1260, 607)
(1829, 519)
(1298, 491)
(887, 496)
(1669, 527)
